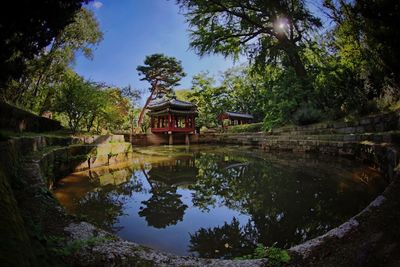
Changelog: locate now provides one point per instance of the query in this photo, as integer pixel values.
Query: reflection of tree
(164, 208)
(286, 205)
(216, 174)
(104, 205)
(227, 241)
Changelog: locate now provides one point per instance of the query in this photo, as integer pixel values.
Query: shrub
(307, 115)
(252, 127)
(276, 257)
(4, 136)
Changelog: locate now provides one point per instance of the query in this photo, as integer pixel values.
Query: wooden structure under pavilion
(235, 118)
(172, 116)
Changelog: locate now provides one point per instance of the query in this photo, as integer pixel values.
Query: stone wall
(18, 120)
(15, 246)
(59, 156)
(374, 123)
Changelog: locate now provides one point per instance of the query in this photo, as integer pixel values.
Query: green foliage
(267, 31)
(162, 72)
(210, 100)
(349, 70)
(276, 257)
(57, 244)
(36, 89)
(87, 105)
(27, 28)
(307, 114)
(245, 128)
(295, 75)
(363, 40)
(285, 93)
(76, 99)
(183, 94)
(4, 136)
(241, 90)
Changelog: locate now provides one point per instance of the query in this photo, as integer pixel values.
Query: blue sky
(136, 28)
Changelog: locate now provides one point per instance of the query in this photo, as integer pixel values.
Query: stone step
(386, 137)
(374, 123)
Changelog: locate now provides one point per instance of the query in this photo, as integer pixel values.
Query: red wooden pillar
(186, 122)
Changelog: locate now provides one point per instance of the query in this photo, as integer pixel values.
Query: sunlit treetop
(265, 30)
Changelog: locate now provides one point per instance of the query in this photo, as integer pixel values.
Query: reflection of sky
(175, 238)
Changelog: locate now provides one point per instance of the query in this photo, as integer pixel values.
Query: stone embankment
(373, 139)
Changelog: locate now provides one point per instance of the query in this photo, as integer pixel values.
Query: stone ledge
(115, 251)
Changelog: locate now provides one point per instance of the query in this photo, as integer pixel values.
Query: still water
(220, 201)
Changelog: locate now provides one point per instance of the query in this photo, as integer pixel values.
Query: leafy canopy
(162, 72)
(268, 31)
(35, 88)
(26, 27)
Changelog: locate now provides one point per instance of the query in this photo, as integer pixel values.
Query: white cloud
(97, 4)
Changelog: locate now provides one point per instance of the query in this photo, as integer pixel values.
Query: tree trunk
(297, 64)
(292, 52)
(46, 103)
(140, 120)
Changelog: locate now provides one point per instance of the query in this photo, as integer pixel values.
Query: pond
(220, 201)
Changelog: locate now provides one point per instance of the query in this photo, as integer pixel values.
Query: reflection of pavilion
(177, 172)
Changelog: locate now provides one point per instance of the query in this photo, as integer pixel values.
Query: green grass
(57, 244)
(276, 257)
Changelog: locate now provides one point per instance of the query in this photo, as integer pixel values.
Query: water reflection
(220, 201)
(227, 241)
(163, 208)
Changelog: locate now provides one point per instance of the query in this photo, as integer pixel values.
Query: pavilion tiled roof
(238, 115)
(173, 103)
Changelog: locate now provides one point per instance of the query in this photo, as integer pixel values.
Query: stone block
(98, 161)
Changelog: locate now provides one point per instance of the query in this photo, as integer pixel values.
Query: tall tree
(77, 98)
(268, 31)
(163, 73)
(374, 24)
(35, 89)
(26, 27)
